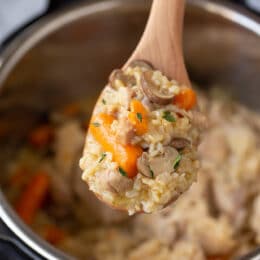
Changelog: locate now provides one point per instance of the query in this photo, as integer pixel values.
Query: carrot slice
(41, 136)
(186, 99)
(32, 197)
(125, 155)
(54, 235)
(138, 117)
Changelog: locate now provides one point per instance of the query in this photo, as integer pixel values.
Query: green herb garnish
(103, 156)
(139, 117)
(168, 116)
(96, 124)
(104, 101)
(122, 172)
(151, 172)
(177, 161)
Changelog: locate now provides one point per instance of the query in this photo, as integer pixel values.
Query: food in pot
(141, 147)
(217, 218)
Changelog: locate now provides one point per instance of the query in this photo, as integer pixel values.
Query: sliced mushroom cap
(143, 165)
(180, 142)
(118, 74)
(165, 162)
(153, 92)
(154, 166)
(120, 183)
(113, 181)
(141, 63)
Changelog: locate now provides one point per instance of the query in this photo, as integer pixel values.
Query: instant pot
(69, 54)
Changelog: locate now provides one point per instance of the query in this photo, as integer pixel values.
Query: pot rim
(42, 28)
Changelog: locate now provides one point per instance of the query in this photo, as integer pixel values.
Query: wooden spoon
(161, 42)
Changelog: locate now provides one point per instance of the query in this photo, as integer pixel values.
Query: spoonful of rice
(141, 146)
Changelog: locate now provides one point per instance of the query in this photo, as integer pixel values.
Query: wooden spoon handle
(161, 42)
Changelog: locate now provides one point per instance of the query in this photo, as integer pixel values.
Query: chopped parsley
(151, 172)
(96, 124)
(104, 101)
(168, 116)
(139, 117)
(177, 161)
(122, 172)
(103, 156)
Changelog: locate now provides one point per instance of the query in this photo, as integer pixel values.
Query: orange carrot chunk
(125, 155)
(186, 99)
(32, 197)
(54, 235)
(138, 117)
(41, 136)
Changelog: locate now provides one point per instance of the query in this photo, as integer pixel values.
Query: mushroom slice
(118, 74)
(114, 182)
(165, 162)
(141, 63)
(153, 92)
(143, 165)
(180, 142)
(154, 166)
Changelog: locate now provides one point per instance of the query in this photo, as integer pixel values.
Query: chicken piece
(214, 148)
(125, 131)
(151, 249)
(231, 201)
(241, 139)
(214, 235)
(68, 146)
(219, 111)
(159, 225)
(200, 120)
(187, 250)
(69, 142)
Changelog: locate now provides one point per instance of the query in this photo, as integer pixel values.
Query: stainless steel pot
(70, 54)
